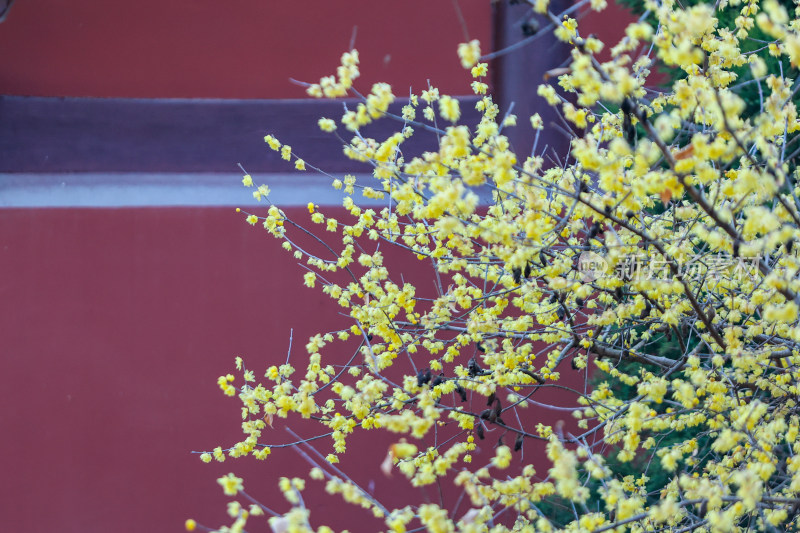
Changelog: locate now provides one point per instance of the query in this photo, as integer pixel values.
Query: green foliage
(756, 43)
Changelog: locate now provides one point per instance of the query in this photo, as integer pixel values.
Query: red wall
(115, 325)
(234, 49)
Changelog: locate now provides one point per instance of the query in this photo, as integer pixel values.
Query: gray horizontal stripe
(143, 190)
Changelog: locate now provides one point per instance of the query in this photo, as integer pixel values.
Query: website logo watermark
(593, 266)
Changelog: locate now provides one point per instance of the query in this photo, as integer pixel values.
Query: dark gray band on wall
(47, 135)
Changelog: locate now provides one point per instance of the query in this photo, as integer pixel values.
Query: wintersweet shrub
(662, 252)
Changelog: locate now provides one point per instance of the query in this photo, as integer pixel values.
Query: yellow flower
(300, 164)
(479, 70)
(786, 313)
(567, 31)
(469, 53)
(231, 485)
(247, 180)
(479, 87)
(540, 6)
(548, 93)
(448, 108)
(272, 142)
(252, 219)
(326, 124)
(430, 95)
(502, 457)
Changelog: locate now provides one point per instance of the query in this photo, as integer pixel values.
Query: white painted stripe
(144, 189)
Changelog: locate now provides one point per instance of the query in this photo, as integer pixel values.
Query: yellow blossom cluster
(660, 258)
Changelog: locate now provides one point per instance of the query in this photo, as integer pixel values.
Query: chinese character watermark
(593, 266)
